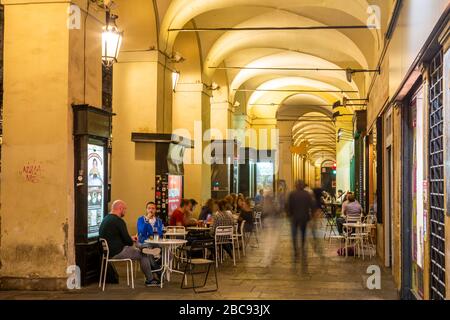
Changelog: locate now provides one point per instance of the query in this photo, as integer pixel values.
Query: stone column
(285, 162)
(343, 159)
(191, 116)
(45, 68)
(142, 102)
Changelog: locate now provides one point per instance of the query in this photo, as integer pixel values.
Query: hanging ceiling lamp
(111, 40)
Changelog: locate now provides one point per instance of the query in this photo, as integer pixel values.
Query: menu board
(95, 188)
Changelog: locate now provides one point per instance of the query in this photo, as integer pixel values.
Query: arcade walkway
(333, 277)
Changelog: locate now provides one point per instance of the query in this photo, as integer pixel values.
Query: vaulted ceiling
(258, 46)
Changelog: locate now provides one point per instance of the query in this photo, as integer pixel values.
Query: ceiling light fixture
(175, 78)
(213, 86)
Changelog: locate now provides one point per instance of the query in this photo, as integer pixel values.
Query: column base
(35, 284)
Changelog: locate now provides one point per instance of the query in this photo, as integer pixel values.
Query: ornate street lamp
(111, 40)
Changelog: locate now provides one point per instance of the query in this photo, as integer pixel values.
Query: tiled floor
(255, 277)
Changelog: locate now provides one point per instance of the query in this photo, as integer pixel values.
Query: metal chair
(366, 235)
(330, 224)
(350, 237)
(223, 235)
(239, 235)
(104, 266)
(200, 246)
(258, 221)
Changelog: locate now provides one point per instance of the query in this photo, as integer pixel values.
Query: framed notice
(96, 189)
(175, 193)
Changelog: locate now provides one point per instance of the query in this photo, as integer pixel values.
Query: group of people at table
(226, 212)
(233, 209)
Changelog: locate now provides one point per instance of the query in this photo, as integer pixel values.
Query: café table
(175, 235)
(168, 247)
(359, 228)
(198, 228)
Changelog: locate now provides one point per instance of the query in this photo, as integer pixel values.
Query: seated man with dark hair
(178, 216)
(182, 216)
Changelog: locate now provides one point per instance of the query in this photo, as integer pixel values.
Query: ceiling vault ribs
(286, 60)
(325, 27)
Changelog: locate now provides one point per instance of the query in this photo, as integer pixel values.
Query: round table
(358, 225)
(175, 234)
(198, 228)
(167, 248)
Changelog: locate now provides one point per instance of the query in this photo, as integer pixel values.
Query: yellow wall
(42, 70)
(133, 164)
(344, 153)
(191, 114)
(284, 155)
(415, 23)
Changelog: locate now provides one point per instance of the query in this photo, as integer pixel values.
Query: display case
(92, 131)
(265, 171)
(224, 168)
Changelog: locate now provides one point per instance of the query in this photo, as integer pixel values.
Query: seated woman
(245, 213)
(351, 212)
(207, 210)
(222, 218)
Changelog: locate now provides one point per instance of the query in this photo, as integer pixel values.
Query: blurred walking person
(317, 213)
(271, 236)
(298, 208)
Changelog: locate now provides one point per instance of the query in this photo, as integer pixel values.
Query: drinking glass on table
(155, 234)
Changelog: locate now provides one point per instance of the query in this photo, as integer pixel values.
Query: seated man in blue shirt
(149, 224)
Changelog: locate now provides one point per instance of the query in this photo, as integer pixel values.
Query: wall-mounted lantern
(111, 40)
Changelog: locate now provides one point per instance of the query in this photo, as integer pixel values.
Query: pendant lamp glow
(111, 40)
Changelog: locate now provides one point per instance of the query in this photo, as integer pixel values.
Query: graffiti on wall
(31, 172)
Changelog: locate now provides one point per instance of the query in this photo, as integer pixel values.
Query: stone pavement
(255, 277)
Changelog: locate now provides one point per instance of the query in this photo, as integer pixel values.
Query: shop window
(436, 181)
(419, 187)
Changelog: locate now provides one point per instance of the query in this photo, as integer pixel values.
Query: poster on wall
(420, 156)
(95, 188)
(264, 176)
(175, 192)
